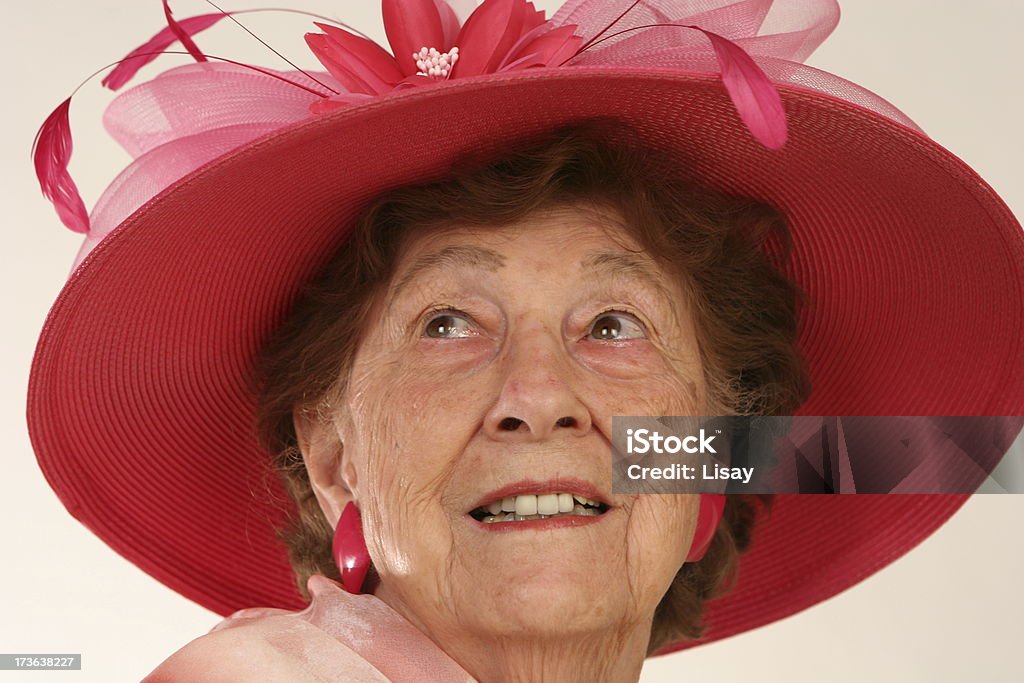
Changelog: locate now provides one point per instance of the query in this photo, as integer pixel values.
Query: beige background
(949, 611)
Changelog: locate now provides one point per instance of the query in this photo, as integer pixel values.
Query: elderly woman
(354, 340)
(463, 358)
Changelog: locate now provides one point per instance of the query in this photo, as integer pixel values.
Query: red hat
(245, 180)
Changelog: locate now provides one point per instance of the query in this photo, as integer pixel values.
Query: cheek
(410, 427)
(400, 448)
(665, 394)
(401, 467)
(637, 378)
(657, 536)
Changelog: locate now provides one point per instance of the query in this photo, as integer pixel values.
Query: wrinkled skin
(422, 440)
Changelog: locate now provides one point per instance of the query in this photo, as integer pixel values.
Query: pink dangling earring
(711, 507)
(349, 548)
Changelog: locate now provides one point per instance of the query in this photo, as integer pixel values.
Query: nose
(538, 398)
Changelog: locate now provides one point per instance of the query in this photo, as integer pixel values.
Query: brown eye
(448, 325)
(613, 326)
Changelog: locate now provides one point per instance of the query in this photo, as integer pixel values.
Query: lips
(529, 499)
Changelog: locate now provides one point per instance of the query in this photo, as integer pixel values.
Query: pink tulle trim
(183, 119)
(190, 115)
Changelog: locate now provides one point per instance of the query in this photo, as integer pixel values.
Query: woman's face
(497, 359)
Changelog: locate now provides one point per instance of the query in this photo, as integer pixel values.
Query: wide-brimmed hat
(246, 180)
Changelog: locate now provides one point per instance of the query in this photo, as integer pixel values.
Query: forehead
(551, 234)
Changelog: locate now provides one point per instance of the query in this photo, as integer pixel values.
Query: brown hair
(745, 312)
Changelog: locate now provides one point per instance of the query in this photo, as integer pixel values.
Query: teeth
(541, 506)
(537, 506)
(547, 504)
(512, 517)
(526, 505)
(565, 502)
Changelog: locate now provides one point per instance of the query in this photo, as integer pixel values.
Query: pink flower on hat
(428, 45)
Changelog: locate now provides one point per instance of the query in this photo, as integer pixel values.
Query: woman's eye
(448, 326)
(611, 326)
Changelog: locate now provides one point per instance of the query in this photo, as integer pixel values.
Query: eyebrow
(618, 263)
(610, 263)
(454, 255)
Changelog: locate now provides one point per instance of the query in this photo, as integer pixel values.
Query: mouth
(530, 500)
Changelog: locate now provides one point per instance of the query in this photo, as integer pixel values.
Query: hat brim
(140, 408)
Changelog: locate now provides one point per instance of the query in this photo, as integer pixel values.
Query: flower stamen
(430, 62)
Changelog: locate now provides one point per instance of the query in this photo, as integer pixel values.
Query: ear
(331, 476)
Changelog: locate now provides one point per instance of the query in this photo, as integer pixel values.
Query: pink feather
(755, 97)
(51, 153)
(146, 53)
(182, 35)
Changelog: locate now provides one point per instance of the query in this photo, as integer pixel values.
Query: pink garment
(338, 637)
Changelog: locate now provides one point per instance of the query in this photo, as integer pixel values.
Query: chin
(549, 595)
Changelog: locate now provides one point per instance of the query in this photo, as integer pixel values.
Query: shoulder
(234, 654)
(267, 648)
